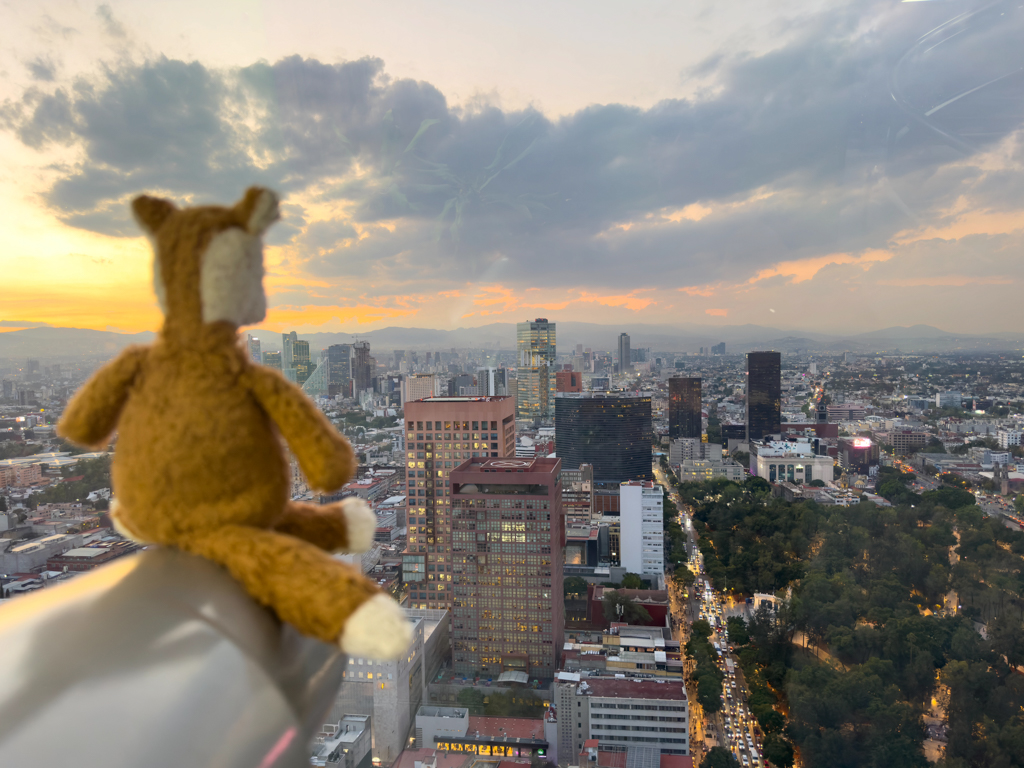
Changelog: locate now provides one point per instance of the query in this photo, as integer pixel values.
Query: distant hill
(79, 342)
(50, 342)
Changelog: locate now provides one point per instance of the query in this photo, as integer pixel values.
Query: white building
(417, 387)
(390, 692)
(792, 460)
(621, 712)
(1008, 438)
(948, 399)
(683, 448)
(642, 533)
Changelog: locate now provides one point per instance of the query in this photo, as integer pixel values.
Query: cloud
(791, 164)
(110, 24)
(42, 68)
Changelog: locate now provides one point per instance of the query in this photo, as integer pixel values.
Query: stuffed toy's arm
(92, 414)
(326, 458)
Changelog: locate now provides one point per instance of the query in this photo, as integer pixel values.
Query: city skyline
(717, 181)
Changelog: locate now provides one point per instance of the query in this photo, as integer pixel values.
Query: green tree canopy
(719, 757)
(631, 612)
(633, 581)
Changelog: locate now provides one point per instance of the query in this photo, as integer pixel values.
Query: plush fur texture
(379, 629)
(361, 524)
(199, 462)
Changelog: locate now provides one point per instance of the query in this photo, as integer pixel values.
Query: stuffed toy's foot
(360, 525)
(345, 526)
(378, 629)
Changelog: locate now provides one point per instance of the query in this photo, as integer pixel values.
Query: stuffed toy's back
(199, 463)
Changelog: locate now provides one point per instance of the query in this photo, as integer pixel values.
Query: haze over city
(711, 164)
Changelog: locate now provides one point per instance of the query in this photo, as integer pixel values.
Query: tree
(719, 757)
(709, 693)
(778, 751)
(683, 577)
(633, 581)
(631, 613)
(473, 700)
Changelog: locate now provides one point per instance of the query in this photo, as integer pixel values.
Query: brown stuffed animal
(199, 464)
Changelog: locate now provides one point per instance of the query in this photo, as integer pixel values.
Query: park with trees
(881, 608)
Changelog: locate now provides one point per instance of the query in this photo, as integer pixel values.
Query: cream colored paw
(378, 629)
(360, 525)
(120, 526)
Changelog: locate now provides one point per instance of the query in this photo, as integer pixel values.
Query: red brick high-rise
(568, 381)
(442, 433)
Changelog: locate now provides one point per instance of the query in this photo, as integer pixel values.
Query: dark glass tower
(764, 394)
(684, 412)
(612, 433)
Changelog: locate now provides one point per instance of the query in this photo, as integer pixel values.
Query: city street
(733, 726)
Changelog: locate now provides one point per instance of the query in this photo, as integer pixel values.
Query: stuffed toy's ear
(151, 212)
(258, 209)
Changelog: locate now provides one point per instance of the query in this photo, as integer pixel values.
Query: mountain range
(52, 342)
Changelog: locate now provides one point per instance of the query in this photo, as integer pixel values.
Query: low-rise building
(343, 744)
(792, 459)
(621, 713)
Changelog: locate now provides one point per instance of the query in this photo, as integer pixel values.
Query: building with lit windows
(764, 394)
(339, 359)
(535, 381)
(684, 408)
(254, 348)
(272, 360)
(507, 540)
(611, 432)
(441, 434)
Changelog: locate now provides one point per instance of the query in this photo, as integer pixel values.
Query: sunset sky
(460, 163)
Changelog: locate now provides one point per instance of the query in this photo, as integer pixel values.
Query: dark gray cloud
(42, 68)
(482, 192)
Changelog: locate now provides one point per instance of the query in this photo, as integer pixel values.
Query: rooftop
(506, 727)
(632, 688)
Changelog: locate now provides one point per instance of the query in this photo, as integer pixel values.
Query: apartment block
(442, 433)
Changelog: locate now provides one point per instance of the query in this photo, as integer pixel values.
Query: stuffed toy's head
(200, 463)
(208, 261)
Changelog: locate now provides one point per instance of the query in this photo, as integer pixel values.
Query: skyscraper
(300, 360)
(764, 394)
(339, 359)
(287, 339)
(507, 540)
(625, 361)
(684, 408)
(610, 432)
(362, 367)
(441, 434)
(535, 342)
(642, 535)
(253, 345)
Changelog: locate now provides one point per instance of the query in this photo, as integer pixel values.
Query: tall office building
(568, 381)
(300, 360)
(764, 394)
(641, 522)
(611, 432)
(535, 345)
(441, 434)
(362, 367)
(339, 360)
(507, 540)
(492, 381)
(272, 360)
(625, 356)
(287, 340)
(684, 408)
(253, 346)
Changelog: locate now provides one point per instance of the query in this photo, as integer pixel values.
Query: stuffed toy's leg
(309, 589)
(346, 526)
